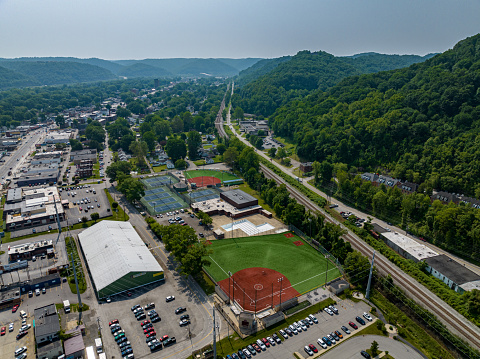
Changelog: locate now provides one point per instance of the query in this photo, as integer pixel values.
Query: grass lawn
(224, 176)
(159, 168)
(72, 250)
(288, 144)
(303, 266)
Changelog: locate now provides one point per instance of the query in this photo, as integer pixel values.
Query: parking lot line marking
(195, 294)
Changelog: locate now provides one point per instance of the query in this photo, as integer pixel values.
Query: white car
(271, 341)
(321, 343)
(308, 350)
(328, 311)
(10, 327)
(333, 309)
(24, 327)
(314, 319)
(367, 316)
(247, 353)
(170, 298)
(331, 338)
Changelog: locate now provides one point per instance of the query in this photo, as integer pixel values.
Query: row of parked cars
(121, 339)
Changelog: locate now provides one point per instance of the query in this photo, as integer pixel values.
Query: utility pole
(370, 277)
(58, 220)
(281, 285)
(80, 306)
(214, 337)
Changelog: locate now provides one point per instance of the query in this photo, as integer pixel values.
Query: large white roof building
(117, 258)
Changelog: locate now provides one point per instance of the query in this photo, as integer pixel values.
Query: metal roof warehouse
(117, 258)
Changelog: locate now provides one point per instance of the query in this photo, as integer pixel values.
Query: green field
(303, 266)
(223, 176)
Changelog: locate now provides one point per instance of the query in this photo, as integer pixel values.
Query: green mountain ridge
(420, 123)
(278, 81)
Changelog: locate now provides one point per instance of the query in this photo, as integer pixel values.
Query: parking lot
(9, 343)
(347, 311)
(120, 308)
(192, 222)
(91, 195)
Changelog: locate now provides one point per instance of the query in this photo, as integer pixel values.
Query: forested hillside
(305, 72)
(9, 78)
(258, 69)
(421, 123)
(52, 73)
(143, 70)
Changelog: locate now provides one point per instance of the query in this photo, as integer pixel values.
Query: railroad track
(451, 318)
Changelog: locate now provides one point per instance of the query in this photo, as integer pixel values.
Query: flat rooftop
(452, 269)
(214, 204)
(238, 196)
(415, 249)
(28, 247)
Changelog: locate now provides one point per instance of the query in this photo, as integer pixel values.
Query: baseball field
(267, 269)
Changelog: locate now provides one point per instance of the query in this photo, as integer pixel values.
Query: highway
(447, 315)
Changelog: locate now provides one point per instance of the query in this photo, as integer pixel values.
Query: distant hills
(37, 71)
(272, 83)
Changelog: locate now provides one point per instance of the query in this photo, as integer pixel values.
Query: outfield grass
(303, 266)
(223, 176)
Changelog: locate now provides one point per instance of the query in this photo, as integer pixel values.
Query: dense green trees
(194, 141)
(176, 148)
(419, 123)
(95, 132)
(132, 188)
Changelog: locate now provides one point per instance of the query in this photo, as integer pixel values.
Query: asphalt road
(20, 154)
(351, 348)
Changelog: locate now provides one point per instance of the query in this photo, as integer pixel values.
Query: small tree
(374, 349)
(84, 221)
(95, 216)
(114, 205)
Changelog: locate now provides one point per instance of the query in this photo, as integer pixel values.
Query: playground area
(260, 272)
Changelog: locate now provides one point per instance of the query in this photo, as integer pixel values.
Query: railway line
(451, 318)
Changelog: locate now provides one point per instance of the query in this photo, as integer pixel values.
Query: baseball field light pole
(229, 284)
(326, 273)
(281, 287)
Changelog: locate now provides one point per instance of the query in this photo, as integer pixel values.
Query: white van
(37, 292)
(23, 314)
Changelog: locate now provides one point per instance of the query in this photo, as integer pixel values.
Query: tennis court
(158, 197)
(202, 195)
(153, 182)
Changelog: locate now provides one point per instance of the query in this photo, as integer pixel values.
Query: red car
(151, 334)
(115, 321)
(148, 330)
(312, 347)
(144, 322)
(256, 347)
(353, 325)
(165, 337)
(15, 307)
(4, 329)
(266, 342)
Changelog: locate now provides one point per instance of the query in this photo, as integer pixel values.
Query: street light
(154, 207)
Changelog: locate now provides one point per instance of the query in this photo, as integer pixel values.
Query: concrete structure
(51, 350)
(84, 169)
(407, 247)
(75, 346)
(47, 324)
(238, 198)
(47, 157)
(217, 206)
(37, 208)
(28, 250)
(306, 167)
(453, 274)
(89, 154)
(54, 137)
(117, 258)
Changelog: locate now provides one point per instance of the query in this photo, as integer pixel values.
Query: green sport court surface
(222, 176)
(303, 266)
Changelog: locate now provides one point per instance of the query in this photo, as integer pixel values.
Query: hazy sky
(136, 29)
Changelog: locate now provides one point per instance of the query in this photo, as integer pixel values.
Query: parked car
(365, 354)
(3, 330)
(180, 310)
(328, 311)
(308, 350)
(184, 322)
(367, 316)
(345, 329)
(283, 333)
(15, 307)
(327, 341)
(170, 298)
(321, 343)
(313, 348)
(276, 338)
(149, 306)
(353, 325)
(333, 309)
(360, 320)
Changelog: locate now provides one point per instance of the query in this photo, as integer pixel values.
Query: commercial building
(408, 247)
(59, 137)
(117, 258)
(238, 198)
(28, 250)
(47, 157)
(457, 277)
(84, 169)
(38, 207)
(47, 324)
(89, 154)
